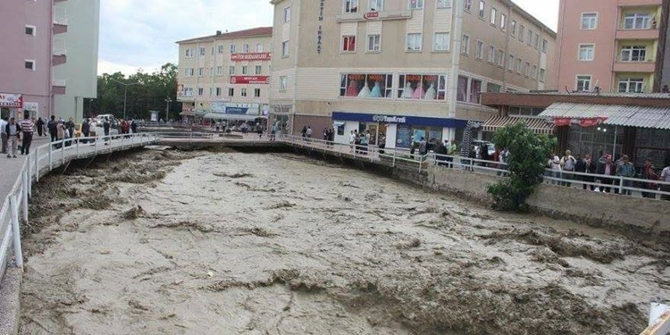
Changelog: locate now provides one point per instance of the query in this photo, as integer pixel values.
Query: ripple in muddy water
(204, 243)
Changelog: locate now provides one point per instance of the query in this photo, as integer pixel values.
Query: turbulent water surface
(166, 242)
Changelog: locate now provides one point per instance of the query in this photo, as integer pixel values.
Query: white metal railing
(42, 159)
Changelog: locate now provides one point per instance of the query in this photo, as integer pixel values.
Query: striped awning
(615, 115)
(538, 126)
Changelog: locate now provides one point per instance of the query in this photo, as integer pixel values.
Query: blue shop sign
(236, 110)
(397, 119)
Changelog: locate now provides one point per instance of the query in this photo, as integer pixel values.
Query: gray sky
(138, 34)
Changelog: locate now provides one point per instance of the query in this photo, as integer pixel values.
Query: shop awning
(235, 117)
(538, 126)
(615, 115)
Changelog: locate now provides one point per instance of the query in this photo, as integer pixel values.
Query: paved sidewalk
(11, 167)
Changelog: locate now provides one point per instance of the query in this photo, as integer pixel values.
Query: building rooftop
(253, 32)
(546, 98)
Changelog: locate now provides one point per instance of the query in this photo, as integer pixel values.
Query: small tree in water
(527, 160)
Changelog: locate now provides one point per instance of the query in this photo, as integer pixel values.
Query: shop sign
(237, 110)
(389, 119)
(371, 15)
(250, 79)
(31, 106)
(11, 100)
(319, 32)
(592, 122)
(251, 56)
(560, 122)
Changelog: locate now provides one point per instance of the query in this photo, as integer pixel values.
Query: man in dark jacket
(40, 126)
(53, 129)
(86, 128)
(105, 126)
(442, 151)
(607, 169)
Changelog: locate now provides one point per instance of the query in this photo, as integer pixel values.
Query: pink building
(612, 45)
(27, 58)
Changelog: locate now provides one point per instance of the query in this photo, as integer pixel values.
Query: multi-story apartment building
(614, 45)
(226, 75)
(401, 68)
(50, 58)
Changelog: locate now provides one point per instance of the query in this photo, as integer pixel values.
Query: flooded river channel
(167, 242)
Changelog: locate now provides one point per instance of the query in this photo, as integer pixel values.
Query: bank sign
(250, 56)
(389, 119)
(11, 100)
(250, 80)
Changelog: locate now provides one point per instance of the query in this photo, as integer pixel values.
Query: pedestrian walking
(40, 127)
(27, 127)
(52, 126)
(86, 129)
(13, 131)
(105, 126)
(3, 123)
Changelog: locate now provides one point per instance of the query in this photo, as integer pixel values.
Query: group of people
(360, 141)
(14, 132)
(601, 173)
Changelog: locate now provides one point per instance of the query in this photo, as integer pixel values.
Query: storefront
(397, 130)
(11, 105)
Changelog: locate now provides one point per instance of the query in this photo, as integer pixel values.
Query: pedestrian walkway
(11, 167)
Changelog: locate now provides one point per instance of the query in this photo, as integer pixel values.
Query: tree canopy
(149, 94)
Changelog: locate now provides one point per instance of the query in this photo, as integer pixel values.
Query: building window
(631, 85)
(350, 6)
(415, 4)
(467, 5)
(29, 64)
(543, 72)
(374, 43)
(444, 3)
(529, 42)
(201, 91)
(189, 53)
(245, 69)
(366, 85)
(258, 69)
(442, 41)
(545, 45)
(422, 86)
(259, 47)
(462, 91)
(283, 83)
(31, 30)
(348, 43)
(589, 21)
(637, 21)
(245, 48)
(492, 54)
(231, 69)
(219, 70)
(201, 72)
(231, 92)
(376, 5)
(519, 65)
(494, 16)
(510, 64)
(218, 91)
(414, 42)
(537, 42)
(586, 52)
(583, 83)
(503, 22)
(513, 27)
(232, 48)
(287, 14)
(482, 7)
(465, 45)
(475, 95)
(527, 70)
(521, 32)
(533, 73)
(257, 92)
(480, 50)
(501, 58)
(202, 52)
(220, 49)
(189, 72)
(284, 49)
(634, 53)
(188, 91)
(243, 92)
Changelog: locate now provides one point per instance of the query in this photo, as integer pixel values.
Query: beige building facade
(401, 68)
(226, 75)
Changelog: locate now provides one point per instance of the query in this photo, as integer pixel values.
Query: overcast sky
(142, 33)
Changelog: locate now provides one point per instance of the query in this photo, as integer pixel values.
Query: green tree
(528, 154)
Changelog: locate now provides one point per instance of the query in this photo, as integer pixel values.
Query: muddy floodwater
(166, 242)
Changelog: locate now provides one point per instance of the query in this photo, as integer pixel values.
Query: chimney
(218, 32)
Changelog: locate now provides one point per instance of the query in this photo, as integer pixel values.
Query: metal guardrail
(47, 157)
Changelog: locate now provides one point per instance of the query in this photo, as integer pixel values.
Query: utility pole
(167, 109)
(125, 94)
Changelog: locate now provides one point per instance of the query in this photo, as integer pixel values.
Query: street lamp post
(167, 109)
(125, 94)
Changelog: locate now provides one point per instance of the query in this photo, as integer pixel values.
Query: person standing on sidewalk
(13, 131)
(105, 126)
(27, 127)
(40, 126)
(52, 126)
(3, 125)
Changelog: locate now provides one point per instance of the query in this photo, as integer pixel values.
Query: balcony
(636, 67)
(637, 34)
(58, 55)
(639, 3)
(58, 86)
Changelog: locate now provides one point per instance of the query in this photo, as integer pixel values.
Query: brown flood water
(233, 243)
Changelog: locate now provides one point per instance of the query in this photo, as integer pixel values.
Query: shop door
(373, 128)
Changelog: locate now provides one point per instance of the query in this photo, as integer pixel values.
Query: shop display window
(366, 85)
(462, 91)
(422, 86)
